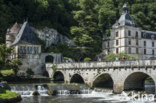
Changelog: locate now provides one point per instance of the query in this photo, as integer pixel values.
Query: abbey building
(26, 47)
(127, 36)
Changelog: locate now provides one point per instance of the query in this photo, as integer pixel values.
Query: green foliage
(112, 56)
(64, 49)
(5, 63)
(87, 59)
(30, 71)
(6, 94)
(84, 21)
(65, 58)
(149, 79)
(15, 65)
(7, 72)
(54, 67)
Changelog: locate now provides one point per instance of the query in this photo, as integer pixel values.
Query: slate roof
(148, 34)
(15, 29)
(125, 19)
(26, 36)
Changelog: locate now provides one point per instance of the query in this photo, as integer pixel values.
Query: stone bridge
(119, 75)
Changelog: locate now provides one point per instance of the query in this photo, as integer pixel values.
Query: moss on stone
(35, 93)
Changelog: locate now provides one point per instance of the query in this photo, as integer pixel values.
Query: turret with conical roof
(125, 19)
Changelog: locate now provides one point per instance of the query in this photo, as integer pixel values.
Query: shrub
(54, 67)
(65, 58)
(30, 71)
(87, 59)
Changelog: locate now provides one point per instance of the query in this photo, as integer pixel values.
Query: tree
(86, 33)
(15, 65)
(7, 63)
(4, 51)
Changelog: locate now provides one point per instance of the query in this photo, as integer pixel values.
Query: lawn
(5, 94)
(7, 72)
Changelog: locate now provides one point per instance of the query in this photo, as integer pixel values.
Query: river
(84, 95)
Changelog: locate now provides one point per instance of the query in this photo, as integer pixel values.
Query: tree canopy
(83, 21)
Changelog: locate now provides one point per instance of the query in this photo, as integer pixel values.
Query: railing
(137, 63)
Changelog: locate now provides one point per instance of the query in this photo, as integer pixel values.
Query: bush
(54, 67)
(65, 58)
(112, 56)
(87, 59)
(30, 71)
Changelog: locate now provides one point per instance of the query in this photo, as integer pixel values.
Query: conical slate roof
(26, 36)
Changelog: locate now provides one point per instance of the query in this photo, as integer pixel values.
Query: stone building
(27, 48)
(127, 36)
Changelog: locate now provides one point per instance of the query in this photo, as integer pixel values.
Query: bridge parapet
(137, 63)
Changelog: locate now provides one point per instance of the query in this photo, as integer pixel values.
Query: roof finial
(125, 9)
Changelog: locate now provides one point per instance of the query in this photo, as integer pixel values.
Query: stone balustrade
(74, 65)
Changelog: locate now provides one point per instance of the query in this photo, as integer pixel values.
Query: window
(129, 33)
(20, 49)
(136, 50)
(117, 51)
(152, 44)
(36, 50)
(144, 43)
(136, 42)
(108, 44)
(117, 34)
(153, 52)
(129, 42)
(136, 34)
(27, 50)
(129, 50)
(116, 42)
(108, 51)
(30, 50)
(144, 51)
(24, 51)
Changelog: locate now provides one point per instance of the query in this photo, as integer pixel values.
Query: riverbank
(7, 96)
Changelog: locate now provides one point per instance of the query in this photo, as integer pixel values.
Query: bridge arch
(136, 81)
(49, 59)
(58, 76)
(104, 80)
(76, 78)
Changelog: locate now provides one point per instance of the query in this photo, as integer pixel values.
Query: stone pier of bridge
(119, 75)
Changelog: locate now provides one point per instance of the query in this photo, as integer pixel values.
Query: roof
(26, 36)
(148, 34)
(125, 19)
(15, 29)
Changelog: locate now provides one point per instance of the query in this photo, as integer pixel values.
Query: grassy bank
(6, 94)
